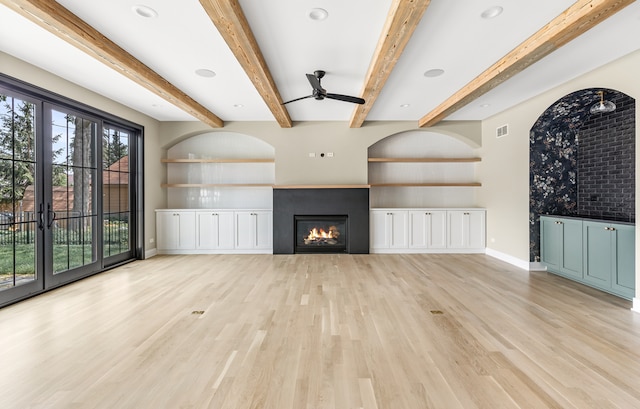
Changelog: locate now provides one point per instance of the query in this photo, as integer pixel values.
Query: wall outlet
(312, 154)
(329, 154)
(152, 240)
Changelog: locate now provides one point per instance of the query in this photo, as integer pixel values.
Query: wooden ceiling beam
(402, 20)
(573, 22)
(229, 19)
(58, 20)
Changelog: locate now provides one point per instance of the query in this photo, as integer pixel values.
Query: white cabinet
(254, 230)
(428, 229)
(215, 230)
(389, 229)
(176, 230)
(466, 229)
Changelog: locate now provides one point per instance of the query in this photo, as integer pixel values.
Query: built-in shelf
(426, 160)
(220, 170)
(428, 184)
(217, 185)
(321, 186)
(219, 160)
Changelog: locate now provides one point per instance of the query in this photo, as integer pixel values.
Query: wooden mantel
(321, 186)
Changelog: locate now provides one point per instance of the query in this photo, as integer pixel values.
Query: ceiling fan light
(318, 14)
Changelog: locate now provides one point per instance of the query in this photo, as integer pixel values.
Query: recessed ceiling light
(203, 72)
(405, 105)
(144, 11)
(318, 14)
(491, 12)
(485, 105)
(436, 72)
(238, 106)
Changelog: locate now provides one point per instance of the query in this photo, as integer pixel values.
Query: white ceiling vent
(502, 131)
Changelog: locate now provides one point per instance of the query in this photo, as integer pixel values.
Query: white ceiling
(451, 36)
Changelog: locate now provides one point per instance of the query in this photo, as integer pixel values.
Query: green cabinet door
(571, 264)
(561, 245)
(598, 254)
(623, 280)
(550, 243)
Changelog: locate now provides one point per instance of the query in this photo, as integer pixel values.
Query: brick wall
(606, 162)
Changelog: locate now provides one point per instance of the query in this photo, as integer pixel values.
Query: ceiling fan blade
(315, 82)
(346, 98)
(298, 99)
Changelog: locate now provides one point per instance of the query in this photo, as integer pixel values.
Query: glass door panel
(18, 213)
(116, 194)
(71, 214)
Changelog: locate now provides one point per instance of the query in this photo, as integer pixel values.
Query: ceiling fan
(320, 93)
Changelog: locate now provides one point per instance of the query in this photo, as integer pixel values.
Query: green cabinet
(609, 257)
(596, 253)
(561, 245)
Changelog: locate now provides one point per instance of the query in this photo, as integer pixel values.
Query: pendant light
(603, 106)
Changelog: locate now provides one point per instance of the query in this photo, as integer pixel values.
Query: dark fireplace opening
(320, 234)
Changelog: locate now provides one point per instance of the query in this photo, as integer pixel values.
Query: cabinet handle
(610, 228)
(559, 222)
(428, 214)
(466, 213)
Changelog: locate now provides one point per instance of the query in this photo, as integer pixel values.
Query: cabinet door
(380, 237)
(598, 254)
(254, 230)
(550, 242)
(215, 230)
(398, 229)
(176, 230)
(571, 258)
(466, 229)
(427, 229)
(624, 269)
(186, 230)
(166, 230)
(264, 230)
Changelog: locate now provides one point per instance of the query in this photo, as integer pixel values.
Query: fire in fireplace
(321, 234)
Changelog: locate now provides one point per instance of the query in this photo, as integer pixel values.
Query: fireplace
(346, 208)
(320, 234)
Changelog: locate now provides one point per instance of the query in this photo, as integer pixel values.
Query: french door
(67, 198)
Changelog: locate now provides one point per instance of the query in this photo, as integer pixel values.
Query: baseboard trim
(508, 259)
(150, 253)
(636, 305)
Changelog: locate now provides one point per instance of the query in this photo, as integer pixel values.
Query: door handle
(41, 216)
(51, 216)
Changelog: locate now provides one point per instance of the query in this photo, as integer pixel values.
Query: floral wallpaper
(553, 157)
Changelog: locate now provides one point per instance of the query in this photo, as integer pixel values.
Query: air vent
(502, 131)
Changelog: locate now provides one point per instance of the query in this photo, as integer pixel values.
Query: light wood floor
(320, 331)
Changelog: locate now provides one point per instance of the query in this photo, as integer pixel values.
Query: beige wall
(505, 162)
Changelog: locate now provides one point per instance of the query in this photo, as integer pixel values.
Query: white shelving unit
(220, 170)
(422, 169)
(219, 194)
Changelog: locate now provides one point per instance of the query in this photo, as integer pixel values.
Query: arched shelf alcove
(220, 170)
(422, 169)
(582, 164)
